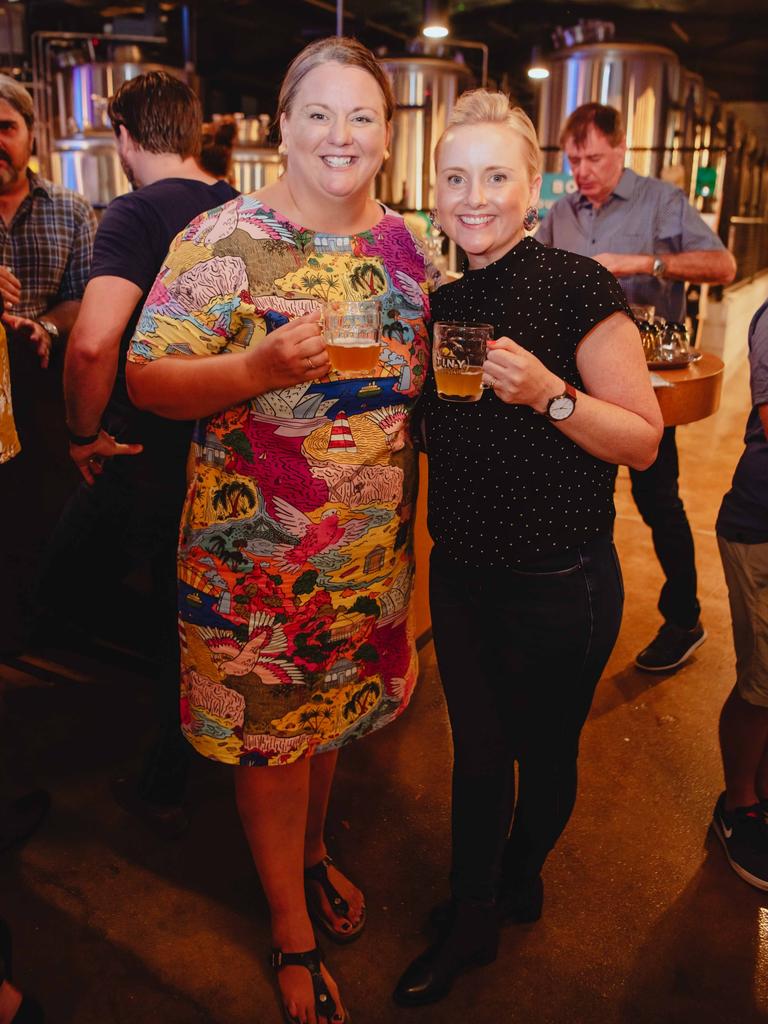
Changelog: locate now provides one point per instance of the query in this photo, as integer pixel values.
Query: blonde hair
(333, 50)
(479, 106)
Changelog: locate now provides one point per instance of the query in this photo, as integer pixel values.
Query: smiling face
(15, 146)
(335, 133)
(596, 164)
(484, 189)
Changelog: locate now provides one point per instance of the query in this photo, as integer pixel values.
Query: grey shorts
(746, 573)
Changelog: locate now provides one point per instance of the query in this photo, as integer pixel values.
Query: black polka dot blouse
(506, 487)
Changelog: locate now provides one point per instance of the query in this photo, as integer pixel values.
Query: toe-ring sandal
(319, 873)
(325, 1004)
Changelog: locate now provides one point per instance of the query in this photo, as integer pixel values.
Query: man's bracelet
(81, 440)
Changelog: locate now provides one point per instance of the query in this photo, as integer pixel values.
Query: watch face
(560, 408)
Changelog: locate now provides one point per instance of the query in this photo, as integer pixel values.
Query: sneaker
(744, 836)
(670, 647)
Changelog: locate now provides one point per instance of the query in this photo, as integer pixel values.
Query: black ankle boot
(522, 902)
(519, 904)
(471, 940)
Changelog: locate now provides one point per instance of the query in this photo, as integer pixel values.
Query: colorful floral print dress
(295, 559)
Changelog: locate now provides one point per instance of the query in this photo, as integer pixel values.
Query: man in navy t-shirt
(126, 514)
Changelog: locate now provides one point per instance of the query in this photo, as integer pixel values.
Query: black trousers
(520, 653)
(656, 495)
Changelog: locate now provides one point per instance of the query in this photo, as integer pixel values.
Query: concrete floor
(644, 922)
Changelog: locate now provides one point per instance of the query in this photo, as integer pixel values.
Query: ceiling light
(537, 69)
(435, 19)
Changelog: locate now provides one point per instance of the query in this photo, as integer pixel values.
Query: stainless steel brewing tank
(91, 167)
(641, 81)
(426, 89)
(254, 167)
(83, 91)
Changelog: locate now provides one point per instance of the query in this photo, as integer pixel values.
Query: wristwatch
(659, 267)
(51, 327)
(561, 406)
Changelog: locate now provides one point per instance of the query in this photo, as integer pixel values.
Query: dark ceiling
(242, 46)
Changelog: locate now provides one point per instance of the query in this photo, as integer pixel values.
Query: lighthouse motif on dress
(341, 439)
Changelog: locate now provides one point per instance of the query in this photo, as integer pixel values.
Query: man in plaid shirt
(46, 237)
(46, 234)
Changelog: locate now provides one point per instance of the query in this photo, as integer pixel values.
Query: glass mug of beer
(352, 332)
(458, 354)
(643, 313)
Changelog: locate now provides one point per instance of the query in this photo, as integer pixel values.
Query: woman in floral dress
(295, 561)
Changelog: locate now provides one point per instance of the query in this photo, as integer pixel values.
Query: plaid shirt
(48, 246)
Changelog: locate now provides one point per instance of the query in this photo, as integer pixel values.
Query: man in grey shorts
(739, 820)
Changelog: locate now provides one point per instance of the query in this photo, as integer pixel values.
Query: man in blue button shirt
(646, 233)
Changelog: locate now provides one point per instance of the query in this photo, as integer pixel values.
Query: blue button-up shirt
(642, 215)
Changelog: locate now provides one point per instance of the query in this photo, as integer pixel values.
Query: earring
(436, 225)
(282, 149)
(387, 154)
(531, 218)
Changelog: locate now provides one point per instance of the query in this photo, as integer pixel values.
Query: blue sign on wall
(554, 187)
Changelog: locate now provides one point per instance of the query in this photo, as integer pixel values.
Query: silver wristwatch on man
(50, 327)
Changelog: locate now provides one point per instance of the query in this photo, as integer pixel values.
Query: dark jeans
(33, 486)
(520, 653)
(128, 520)
(656, 495)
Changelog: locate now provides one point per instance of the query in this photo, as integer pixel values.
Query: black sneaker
(744, 836)
(670, 647)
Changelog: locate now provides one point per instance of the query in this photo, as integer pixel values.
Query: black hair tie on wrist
(81, 440)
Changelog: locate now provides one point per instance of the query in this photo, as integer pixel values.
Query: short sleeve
(78, 267)
(199, 303)
(124, 245)
(593, 295)
(433, 278)
(758, 360)
(682, 226)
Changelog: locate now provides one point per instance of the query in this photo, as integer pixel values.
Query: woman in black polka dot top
(525, 586)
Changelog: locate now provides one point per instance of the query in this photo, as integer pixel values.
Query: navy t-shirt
(132, 241)
(743, 514)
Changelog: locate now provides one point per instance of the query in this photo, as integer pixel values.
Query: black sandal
(319, 873)
(325, 1004)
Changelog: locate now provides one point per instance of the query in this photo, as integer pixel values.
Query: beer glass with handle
(458, 354)
(352, 333)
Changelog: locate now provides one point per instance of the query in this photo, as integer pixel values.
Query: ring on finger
(310, 364)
